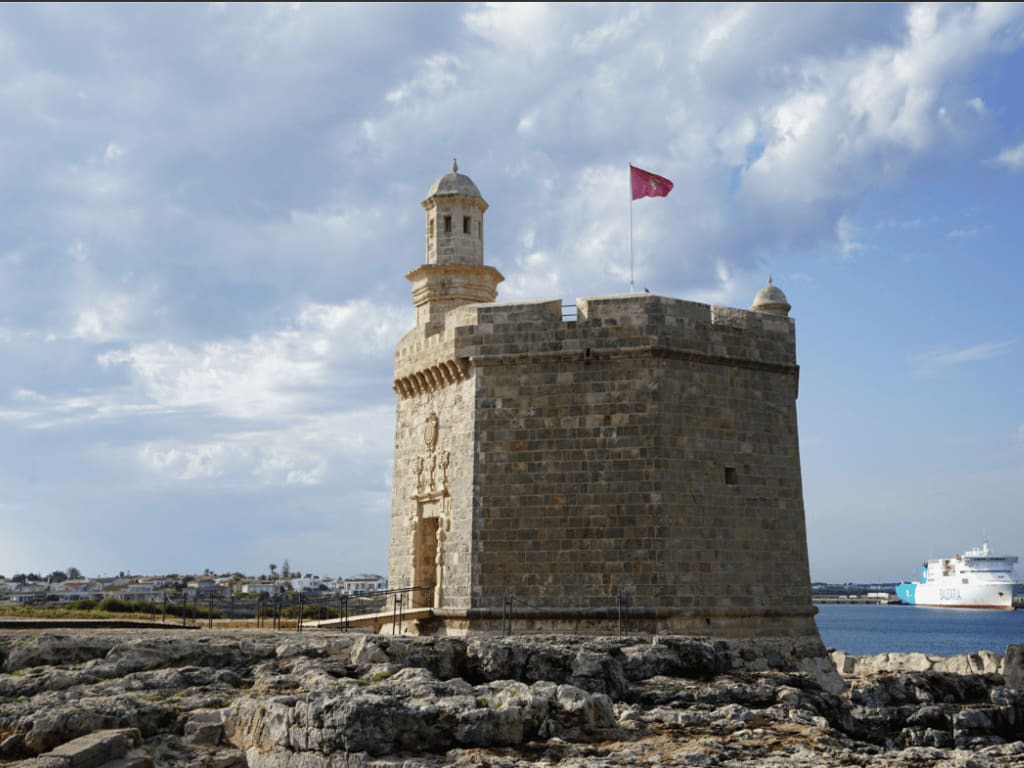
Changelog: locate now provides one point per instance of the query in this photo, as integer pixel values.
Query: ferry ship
(975, 579)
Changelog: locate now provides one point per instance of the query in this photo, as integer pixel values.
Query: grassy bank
(103, 609)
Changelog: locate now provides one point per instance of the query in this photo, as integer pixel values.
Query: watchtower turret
(772, 300)
(455, 273)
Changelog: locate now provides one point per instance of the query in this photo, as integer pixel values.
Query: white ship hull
(975, 579)
(956, 595)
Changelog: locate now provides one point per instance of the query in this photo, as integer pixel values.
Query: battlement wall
(605, 325)
(479, 334)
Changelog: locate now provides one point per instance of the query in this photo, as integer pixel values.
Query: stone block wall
(644, 455)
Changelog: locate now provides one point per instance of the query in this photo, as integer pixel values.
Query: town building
(364, 584)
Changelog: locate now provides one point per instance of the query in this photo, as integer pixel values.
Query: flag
(647, 184)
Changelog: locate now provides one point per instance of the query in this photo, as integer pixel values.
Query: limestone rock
(1013, 666)
(56, 649)
(324, 700)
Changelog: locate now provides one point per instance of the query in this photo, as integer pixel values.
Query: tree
(19, 578)
(74, 574)
(57, 577)
(285, 570)
(273, 570)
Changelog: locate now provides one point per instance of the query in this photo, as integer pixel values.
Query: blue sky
(208, 212)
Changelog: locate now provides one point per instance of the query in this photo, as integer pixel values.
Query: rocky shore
(325, 699)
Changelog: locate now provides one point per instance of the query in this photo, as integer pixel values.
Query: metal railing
(287, 610)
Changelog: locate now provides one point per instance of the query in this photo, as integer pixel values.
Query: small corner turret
(772, 300)
(454, 273)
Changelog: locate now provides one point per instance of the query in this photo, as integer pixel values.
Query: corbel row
(431, 379)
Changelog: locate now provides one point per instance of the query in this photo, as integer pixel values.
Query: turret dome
(454, 183)
(771, 299)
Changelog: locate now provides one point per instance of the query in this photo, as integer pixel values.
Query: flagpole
(629, 189)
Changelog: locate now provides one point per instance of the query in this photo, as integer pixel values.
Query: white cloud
(11, 258)
(960, 232)
(596, 39)
(908, 224)
(733, 142)
(723, 23)
(78, 251)
(1012, 157)
(43, 412)
(183, 463)
(327, 352)
(113, 151)
(860, 118)
(265, 376)
(535, 276)
(937, 359)
(307, 452)
(106, 319)
(439, 75)
(846, 231)
(527, 123)
(528, 29)
(27, 396)
(260, 459)
(359, 325)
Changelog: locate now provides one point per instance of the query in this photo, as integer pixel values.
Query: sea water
(869, 629)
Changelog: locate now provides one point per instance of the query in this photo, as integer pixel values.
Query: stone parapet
(629, 325)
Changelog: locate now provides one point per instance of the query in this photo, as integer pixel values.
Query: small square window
(731, 477)
(448, 225)
(465, 225)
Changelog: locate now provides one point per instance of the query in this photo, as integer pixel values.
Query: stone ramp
(375, 622)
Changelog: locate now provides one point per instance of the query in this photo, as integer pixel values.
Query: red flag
(647, 184)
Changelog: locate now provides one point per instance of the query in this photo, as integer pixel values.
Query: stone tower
(634, 467)
(455, 273)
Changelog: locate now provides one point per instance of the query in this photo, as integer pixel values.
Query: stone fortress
(637, 463)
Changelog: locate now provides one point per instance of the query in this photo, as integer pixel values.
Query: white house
(270, 588)
(363, 584)
(307, 584)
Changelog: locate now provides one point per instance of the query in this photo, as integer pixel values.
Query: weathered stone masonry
(642, 457)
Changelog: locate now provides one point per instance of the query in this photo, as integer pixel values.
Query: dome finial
(455, 165)
(769, 279)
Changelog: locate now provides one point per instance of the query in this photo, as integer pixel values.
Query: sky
(207, 213)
